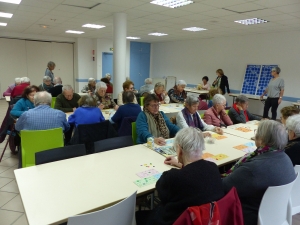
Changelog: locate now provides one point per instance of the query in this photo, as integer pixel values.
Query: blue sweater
(86, 115)
(21, 106)
(143, 131)
(127, 110)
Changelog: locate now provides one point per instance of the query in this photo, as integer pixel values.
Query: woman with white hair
(217, 115)
(49, 70)
(11, 87)
(103, 100)
(177, 94)
(108, 76)
(189, 117)
(46, 85)
(18, 90)
(267, 166)
(147, 87)
(159, 90)
(293, 147)
(90, 87)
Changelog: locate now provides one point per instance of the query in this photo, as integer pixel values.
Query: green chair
(202, 115)
(53, 102)
(142, 101)
(227, 111)
(33, 141)
(133, 134)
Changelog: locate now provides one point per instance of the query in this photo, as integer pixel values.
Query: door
(107, 64)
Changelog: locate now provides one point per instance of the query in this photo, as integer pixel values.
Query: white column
(119, 64)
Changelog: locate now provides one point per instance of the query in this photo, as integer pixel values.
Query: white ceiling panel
(288, 8)
(224, 4)
(245, 7)
(275, 3)
(197, 8)
(39, 4)
(262, 13)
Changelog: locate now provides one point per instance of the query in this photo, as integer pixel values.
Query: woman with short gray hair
(293, 146)
(159, 90)
(238, 113)
(216, 115)
(189, 117)
(177, 94)
(104, 101)
(90, 87)
(267, 166)
(50, 68)
(46, 85)
(275, 91)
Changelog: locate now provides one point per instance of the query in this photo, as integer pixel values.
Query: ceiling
(216, 16)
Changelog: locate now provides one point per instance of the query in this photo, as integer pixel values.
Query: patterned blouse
(107, 101)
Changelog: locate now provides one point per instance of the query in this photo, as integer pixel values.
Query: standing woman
(50, 68)
(275, 92)
(221, 82)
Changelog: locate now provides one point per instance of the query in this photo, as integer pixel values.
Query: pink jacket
(9, 90)
(211, 117)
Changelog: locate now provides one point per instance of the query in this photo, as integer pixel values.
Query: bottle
(150, 143)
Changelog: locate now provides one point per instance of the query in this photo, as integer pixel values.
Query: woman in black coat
(221, 81)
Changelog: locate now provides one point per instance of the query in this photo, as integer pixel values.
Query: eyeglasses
(154, 105)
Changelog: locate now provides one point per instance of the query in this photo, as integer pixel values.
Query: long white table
(195, 90)
(7, 98)
(243, 130)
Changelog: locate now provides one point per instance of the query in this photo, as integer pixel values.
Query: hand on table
(172, 161)
(74, 109)
(219, 130)
(116, 107)
(101, 106)
(206, 134)
(159, 141)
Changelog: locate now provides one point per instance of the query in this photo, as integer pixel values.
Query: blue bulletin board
(265, 77)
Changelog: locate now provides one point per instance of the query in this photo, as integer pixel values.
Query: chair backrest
(113, 143)
(274, 207)
(134, 133)
(53, 102)
(295, 194)
(125, 128)
(33, 141)
(121, 213)
(57, 154)
(142, 101)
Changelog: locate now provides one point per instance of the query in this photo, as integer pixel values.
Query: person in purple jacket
(11, 87)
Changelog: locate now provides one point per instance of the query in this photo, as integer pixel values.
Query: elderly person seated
(196, 183)
(42, 117)
(293, 147)
(104, 101)
(127, 86)
(147, 88)
(26, 102)
(49, 70)
(87, 112)
(90, 87)
(11, 87)
(288, 111)
(216, 115)
(189, 117)
(18, 90)
(46, 85)
(154, 123)
(206, 85)
(108, 76)
(57, 89)
(129, 109)
(159, 90)
(67, 101)
(238, 113)
(212, 92)
(109, 89)
(267, 166)
(177, 94)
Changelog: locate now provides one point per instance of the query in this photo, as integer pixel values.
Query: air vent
(82, 6)
(241, 12)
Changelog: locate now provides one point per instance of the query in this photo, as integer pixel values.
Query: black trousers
(271, 102)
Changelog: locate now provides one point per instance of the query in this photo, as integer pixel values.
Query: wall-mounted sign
(111, 49)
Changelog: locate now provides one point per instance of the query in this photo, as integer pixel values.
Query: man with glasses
(67, 101)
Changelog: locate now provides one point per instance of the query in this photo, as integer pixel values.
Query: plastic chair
(113, 143)
(295, 194)
(57, 154)
(275, 207)
(121, 213)
(133, 134)
(53, 102)
(33, 141)
(142, 101)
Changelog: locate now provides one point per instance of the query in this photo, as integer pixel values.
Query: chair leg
(5, 146)
(152, 201)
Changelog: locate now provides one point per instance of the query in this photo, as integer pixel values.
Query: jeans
(271, 102)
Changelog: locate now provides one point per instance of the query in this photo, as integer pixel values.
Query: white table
(297, 104)
(53, 192)
(7, 98)
(195, 90)
(82, 94)
(243, 130)
(252, 97)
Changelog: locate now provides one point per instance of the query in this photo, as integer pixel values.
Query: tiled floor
(11, 207)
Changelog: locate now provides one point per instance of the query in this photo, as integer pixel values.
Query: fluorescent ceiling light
(11, 1)
(3, 24)
(157, 34)
(133, 38)
(6, 15)
(74, 32)
(93, 26)
(251, 21)
(194, 29)
(172, 3)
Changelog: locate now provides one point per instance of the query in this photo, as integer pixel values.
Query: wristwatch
(280, 97)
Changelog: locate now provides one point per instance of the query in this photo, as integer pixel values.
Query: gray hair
(50, 64)
(67, 88)
(191, 141)
(272, 133)
(25, 80)
(57, 80)
(158, 85)
(293, 124)
(148, 81)
(100, 85)
(42, 98)
(241, 99)
(276, 69)
(218, 99)
(191, 100)
(90, 80)
(108, 75)
(181, 82)
(18, 80)
(47, 78)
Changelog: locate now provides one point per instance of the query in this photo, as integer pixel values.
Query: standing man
(67, 101)
(57, 89)
(50, 68)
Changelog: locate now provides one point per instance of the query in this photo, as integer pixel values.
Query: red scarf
(159, 96)
(245, 111)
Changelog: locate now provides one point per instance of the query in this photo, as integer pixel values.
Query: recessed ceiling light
(93, 26)
(194, 29)
(74, 32)
(251, 21)
(44, 26)
(157, 34)
(6, 15)
(3, 24)
(11, 1)
(133, 38)
(172, 3)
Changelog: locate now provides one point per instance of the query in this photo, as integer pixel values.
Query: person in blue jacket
(87, 112)
(25, 103)
(154, 123)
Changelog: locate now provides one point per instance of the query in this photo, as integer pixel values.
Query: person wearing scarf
(238, 113)
(177, 94)
(46, 85)
(189, 117)
(267, 166)
(154, 123)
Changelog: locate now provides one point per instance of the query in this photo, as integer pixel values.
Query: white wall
(193, 59)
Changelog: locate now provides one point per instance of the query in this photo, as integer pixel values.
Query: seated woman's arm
(226, 119)
(7, 92)
(180, 121)
(120, 99)
(18, 109)
(142, 128)
(237, 117)
(163, 187)
(208, 118)
(173, 96)
(207, 127)
(85, 89)
(252, 117)
(172, 127)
